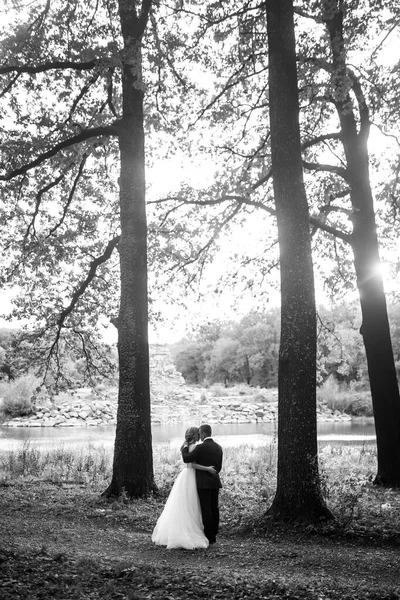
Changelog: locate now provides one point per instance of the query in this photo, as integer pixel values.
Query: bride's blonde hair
(192, 435)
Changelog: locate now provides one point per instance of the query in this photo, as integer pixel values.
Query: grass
(61, 539)
(249, 478)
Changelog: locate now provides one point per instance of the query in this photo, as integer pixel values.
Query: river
(357, 432)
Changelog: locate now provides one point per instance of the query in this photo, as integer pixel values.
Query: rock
(83, 414)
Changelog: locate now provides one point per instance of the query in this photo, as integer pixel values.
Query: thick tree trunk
(375, 323)
(133, 462)
(298, 493)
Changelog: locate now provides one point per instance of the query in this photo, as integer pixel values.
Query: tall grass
(90, 466)
(248, 476)
(249, 479)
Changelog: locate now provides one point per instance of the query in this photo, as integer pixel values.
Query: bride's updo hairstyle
(192, 435)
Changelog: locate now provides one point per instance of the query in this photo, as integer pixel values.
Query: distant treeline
(246, 351)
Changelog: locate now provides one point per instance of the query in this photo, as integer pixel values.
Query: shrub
(18, 395)
(360, 406)
(345, 399)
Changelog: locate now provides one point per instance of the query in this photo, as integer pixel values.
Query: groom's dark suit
(209, 453)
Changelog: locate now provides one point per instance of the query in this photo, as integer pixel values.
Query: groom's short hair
(205, 431)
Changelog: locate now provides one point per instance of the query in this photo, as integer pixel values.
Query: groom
(209, 453)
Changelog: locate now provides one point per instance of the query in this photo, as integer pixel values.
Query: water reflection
(340, 433)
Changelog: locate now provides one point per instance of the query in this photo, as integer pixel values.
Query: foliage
(18, 396)
(6, 337)
(345, 399)
(235, 351)
(232, 352)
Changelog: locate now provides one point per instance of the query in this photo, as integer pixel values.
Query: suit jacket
(208, 454)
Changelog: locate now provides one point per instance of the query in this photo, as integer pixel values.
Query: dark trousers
(209, 511)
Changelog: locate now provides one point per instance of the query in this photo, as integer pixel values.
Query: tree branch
(362, 104)
(87, 134)
(346, 237)
(110, 95)
(49, 66)
(261, 181)
(83, 286)
(229, 84)
(321, 138)
(341, 171)
(144, 14)
(214, 236)
(71, 195)
(9, 85)
(39, 195)
(81, 94)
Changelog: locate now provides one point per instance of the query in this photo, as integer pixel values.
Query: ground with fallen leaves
(67, 543)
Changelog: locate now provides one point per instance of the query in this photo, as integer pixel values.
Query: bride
(180, 524)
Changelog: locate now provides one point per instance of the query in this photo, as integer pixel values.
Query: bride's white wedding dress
(180, 524)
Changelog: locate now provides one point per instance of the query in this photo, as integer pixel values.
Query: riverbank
(86, 408)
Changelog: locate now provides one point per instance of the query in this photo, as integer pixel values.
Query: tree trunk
(247, 370)
(375, 323)
(377, 341)
(298, 494)
(133, 461)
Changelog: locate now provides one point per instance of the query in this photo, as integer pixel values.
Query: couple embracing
(190, 518)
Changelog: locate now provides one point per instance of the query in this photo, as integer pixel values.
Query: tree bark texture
(298, 493)
(375, 327)
(133, 462)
